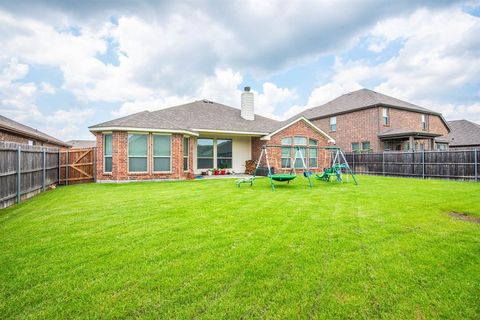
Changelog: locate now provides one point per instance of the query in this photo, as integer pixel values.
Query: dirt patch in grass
(464, 216)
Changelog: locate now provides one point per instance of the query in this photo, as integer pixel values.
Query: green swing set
(279, 177)
(338, 165)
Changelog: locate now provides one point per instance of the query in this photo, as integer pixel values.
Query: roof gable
(287, 124)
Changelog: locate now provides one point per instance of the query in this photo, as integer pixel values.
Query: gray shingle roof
(464, 133)
(13, 126)
(406, 132)
(360, 99)
(202, 114)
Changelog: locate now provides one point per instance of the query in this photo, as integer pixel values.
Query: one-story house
(13, 131)
(182, 141)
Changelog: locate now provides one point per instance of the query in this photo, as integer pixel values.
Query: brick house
(464, 135)
(12, 131)
(366, 120)
(181, 141)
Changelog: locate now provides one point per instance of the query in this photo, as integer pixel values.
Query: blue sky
(66, 65)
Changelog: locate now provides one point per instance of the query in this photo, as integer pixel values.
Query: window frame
(385, 116)
(128, 153)
(362, 144)
(312, 147)
(285, 146)
(221, 158)
(333, 124)
(106, 156)
(301, 147)
(164, 157)
(424, 122)
(186, 158)
(357, 143)
(213, 153)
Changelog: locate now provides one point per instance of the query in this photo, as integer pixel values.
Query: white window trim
(216, 153)
(128, 156)
(188, 154)
(385, 114)
(103, 152)
(309, 148)
(333, 123)
(153, 154)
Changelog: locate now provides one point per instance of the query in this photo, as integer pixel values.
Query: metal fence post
(59, 166)
(353, 161)
(476, 164)
(44, 168)
(19, 159)
(423, 164)
(383, 163)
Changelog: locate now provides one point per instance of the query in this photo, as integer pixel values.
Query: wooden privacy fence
(448, 164)
(28, 170)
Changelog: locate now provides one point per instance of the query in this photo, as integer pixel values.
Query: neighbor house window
(441, 146)
(204, 153)
(313, 153)
(137, 152)
(162, 153)
(186, 145)
(107, 152)
(366, 145)
(424, 122)
(422, 146)
(286, 152)
(333, 123)
(301, 143)
(385, 116)
(30, 142)
(355, 146)
(224, 153)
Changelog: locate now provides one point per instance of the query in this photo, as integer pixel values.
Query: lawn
(386, 248)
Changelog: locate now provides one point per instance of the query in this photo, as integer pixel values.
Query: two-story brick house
(368, 120)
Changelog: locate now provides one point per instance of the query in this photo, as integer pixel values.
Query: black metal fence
(25, 171)
(448, 164)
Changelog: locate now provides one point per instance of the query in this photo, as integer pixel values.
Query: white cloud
(47, 88)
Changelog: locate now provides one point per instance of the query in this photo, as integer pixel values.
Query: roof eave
(34, 136)
(119, 128)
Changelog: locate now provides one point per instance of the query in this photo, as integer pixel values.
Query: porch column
(411, 142)
(431, 145)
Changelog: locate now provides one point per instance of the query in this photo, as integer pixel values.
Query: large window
(424, 122)
(286, 152)
(162, 153)
(313, 153)
(301, 143)
(333, 124)
(137, 152)
(224, 153)
(107, 152)
(385, 116)
(186, 148)
(204, 153)
(366, 145)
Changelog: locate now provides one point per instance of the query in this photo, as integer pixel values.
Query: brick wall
(364, 125)
(10, 137)
(299, 129)
(120, 159)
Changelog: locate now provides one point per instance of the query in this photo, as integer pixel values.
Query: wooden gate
(77, 166)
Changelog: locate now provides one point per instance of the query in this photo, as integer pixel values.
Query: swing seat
(283, 177)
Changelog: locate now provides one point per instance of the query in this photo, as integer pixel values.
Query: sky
(66, 65)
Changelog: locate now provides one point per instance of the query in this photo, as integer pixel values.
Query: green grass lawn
(386, 248)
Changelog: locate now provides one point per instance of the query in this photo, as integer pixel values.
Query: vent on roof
(207, 101)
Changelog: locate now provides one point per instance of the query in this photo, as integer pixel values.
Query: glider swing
(283, 177)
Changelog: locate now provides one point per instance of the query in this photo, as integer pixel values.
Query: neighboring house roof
(202, 115)
(362, 99)
(464, 133)
(82, 143)
(29, 132)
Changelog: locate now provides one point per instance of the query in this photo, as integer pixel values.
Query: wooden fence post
(66, 168)
(19, 163)
(44, 180)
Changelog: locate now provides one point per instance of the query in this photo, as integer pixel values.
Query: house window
(366, 145)
(137, 152)
(333, 123)
(162, 153)
(30, 142)
(204, 153)
(355, 146)
(313, 153)
(422, 146)
(286, 153)
(441, 146)
(301, 143)
(386, 146)
(107, 153)
(186, 145)
(224, 153)
(385, 116)
(424, 122)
